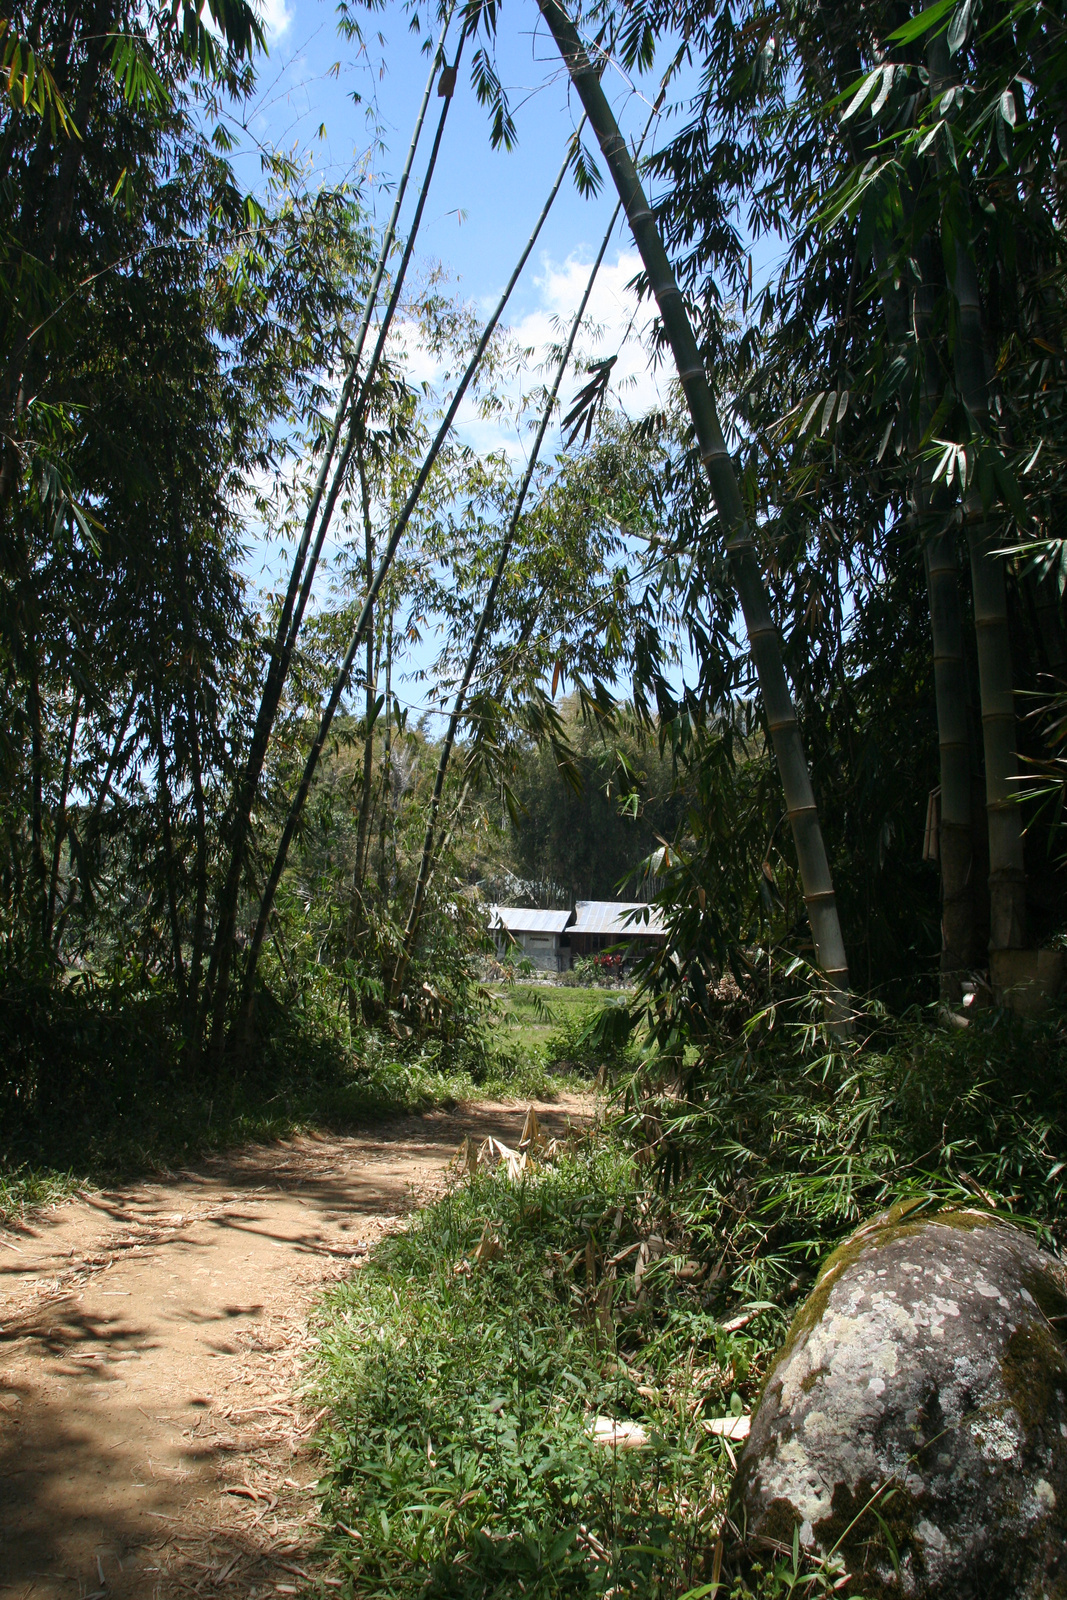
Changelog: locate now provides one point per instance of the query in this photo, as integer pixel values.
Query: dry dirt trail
(153, 1440)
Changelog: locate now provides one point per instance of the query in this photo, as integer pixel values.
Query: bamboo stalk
(763, 638)
(216, 988)
(1007, 867)
(485, 623)
(363, 622)
(955, 841)
(60, 831)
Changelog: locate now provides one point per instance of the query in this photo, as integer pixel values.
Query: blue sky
(483, 201)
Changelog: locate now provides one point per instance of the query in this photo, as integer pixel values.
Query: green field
(531, 1013)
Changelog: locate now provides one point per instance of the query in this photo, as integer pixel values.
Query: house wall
(542, 950)
(631, 945)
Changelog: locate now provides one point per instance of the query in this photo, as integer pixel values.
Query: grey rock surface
(916, 1416)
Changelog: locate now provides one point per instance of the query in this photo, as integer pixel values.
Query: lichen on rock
(915, 1419)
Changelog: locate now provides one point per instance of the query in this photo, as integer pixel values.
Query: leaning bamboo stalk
(341, 680)
(762, 632)
(357, 417)
(484, 625)
(301, 577)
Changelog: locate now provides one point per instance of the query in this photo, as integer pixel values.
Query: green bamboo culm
(483, 626)
(340, 682)
(762, 633)
(1007, 865)
(955, 833)
(933, 514)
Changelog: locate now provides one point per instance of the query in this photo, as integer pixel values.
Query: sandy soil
(153, 1440)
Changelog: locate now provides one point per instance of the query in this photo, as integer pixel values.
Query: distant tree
(593, 839)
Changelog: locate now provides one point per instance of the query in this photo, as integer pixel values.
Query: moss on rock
(916, 1416)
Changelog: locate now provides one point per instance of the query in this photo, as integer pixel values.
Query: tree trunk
(740, 544)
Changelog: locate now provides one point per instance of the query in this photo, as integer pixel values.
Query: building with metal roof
(550, 940)
(524, 933)
(601, 924)
(525, 919)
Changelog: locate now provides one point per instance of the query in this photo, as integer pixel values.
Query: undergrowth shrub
(773, 1152)
(591, 1044)
(96, 1078)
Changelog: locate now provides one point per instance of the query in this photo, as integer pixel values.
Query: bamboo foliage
(764, 642)
(363, 622)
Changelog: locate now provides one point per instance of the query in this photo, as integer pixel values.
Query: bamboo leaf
(815, 404)
(883, 94)
(862, 95)
(1007, 108)
(917, 26)
(960, 27)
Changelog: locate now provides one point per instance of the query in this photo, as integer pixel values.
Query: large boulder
(916, 1418)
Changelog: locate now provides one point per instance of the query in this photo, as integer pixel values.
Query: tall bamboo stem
(1007, 868)
(301, 577)
(955, 840)
(762, 632)
(363, 622)
(483, 627)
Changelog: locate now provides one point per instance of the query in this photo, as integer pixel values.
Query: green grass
(540, 1021)
(461, 1394)
(25, 1189)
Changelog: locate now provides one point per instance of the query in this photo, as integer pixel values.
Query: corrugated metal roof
(616, 917)
(524, 919)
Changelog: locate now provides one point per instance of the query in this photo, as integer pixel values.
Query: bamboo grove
(821, 585)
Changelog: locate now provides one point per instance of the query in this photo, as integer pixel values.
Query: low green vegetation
(463, 1392)
(648, 1277)
(97, 1083)
(545, 1021)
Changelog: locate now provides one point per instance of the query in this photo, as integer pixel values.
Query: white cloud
(275, 16)
(614, 324)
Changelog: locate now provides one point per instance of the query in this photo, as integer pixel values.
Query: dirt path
(152, 1437)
